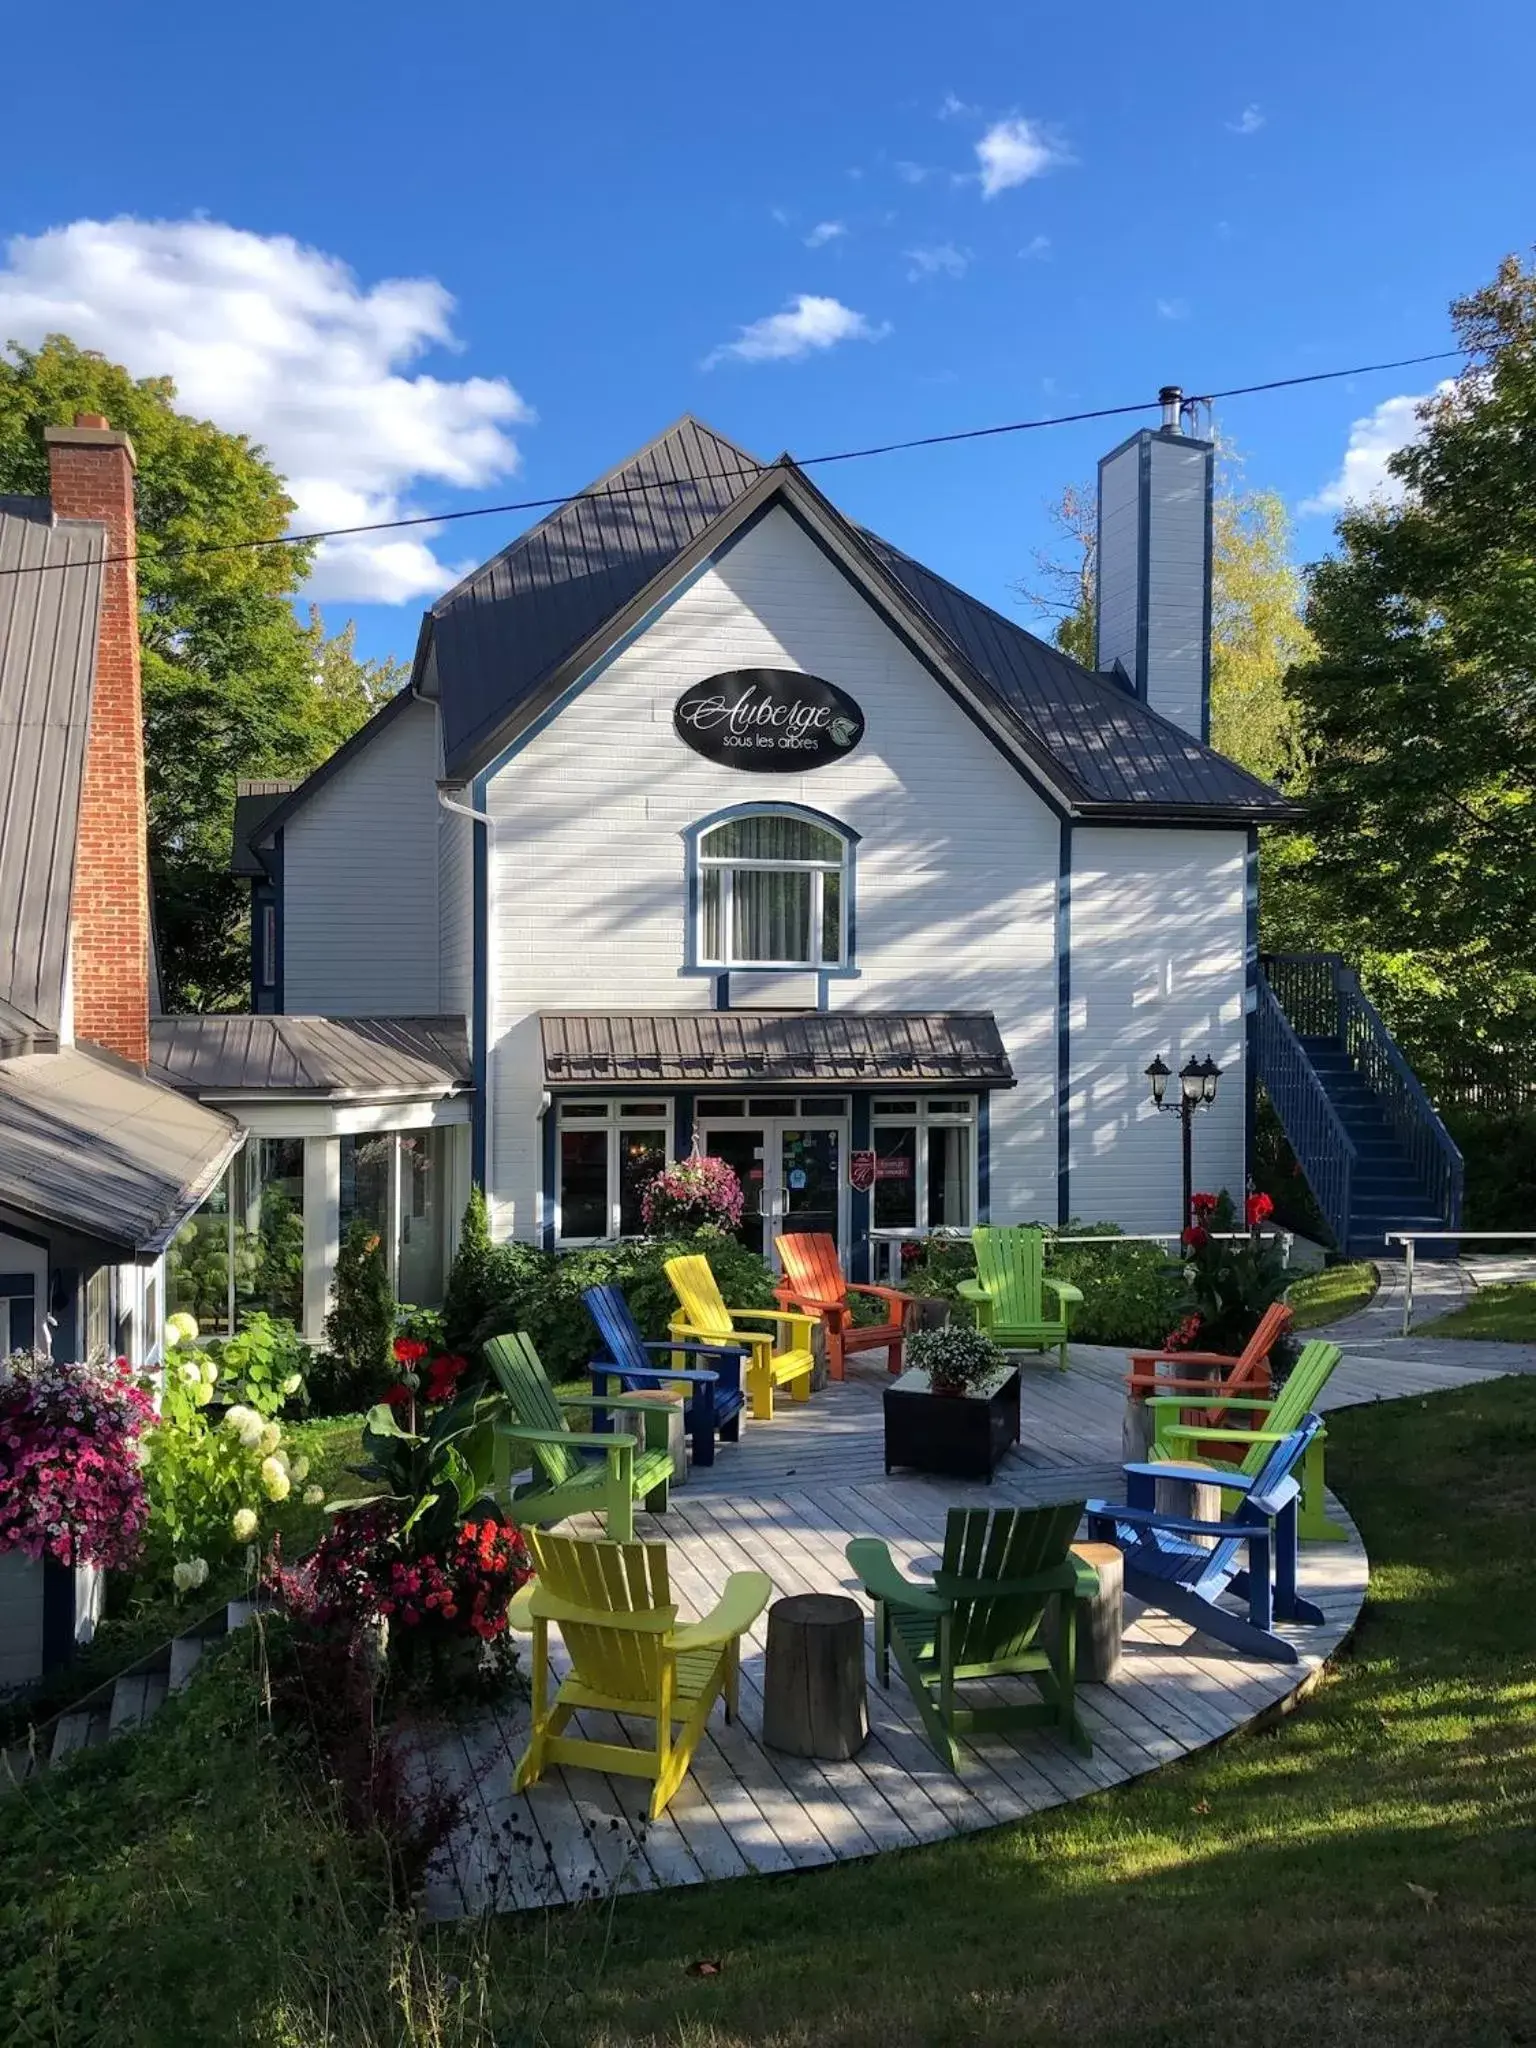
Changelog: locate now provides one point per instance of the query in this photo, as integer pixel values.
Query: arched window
(773, 892)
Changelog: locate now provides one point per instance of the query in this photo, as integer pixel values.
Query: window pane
(949, 1175)
(643, 1112)
(197, 1263)
(832, 918)
(583, 1183)
(896, 1177)
(269, 1228)
(894, 1105)
(771, 915)
(760, 838)
(365, 1183)
(713, 936)
(584, 1112)
(98, 1312)
(642, 1155)
(421, 1217)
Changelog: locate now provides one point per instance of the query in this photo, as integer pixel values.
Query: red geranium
(443, 1376)
(1204, 1205)
(1197, 1237)
(408, 1350)
(1259, 1209)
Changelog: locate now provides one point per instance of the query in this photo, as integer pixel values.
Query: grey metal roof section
(850, 1047)
(498, 633)
(88, 1143)
(256, 797)
(48, 626)
(1114, 747)
(325, 1056)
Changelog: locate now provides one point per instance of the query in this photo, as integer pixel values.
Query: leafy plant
(471, 1289)
(1131, 1292)
(1229, 1281)
(957, 1358)
(354, 1367)
(263, 1365)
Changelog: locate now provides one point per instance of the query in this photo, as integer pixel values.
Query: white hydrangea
(190, 1373)
(210, 1372)
(190, 1572)
(244, 1524)
(275, 1479)
(313, 1495)
(246, 1424)
(298, 1470)
(180, 1328)
(271, 1437)
(292, 1384)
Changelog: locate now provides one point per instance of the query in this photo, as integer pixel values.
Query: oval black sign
(771, 720)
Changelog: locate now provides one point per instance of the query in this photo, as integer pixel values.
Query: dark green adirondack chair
(575, 1472)
(1008, 1293)
(980, 1617)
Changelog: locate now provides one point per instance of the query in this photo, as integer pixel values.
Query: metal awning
(690, 1048)
(365, 1057)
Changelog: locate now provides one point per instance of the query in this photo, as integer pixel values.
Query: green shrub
(467, 1295)
(265, 1364)
(354, 1368)
(1499, 1147)
(1131, 1292)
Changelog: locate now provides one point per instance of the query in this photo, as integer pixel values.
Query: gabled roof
(256, 798)
(327, 1056)
(504, 643)
(48, 627)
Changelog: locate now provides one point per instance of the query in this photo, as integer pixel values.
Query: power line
(618, 490)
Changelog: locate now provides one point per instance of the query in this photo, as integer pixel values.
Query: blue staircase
(1365, 1134)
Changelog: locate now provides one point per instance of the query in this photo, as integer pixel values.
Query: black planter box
(963, 1436)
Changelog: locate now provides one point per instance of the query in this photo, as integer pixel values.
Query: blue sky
(435, 257)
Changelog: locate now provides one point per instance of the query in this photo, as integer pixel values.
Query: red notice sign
(861, 1170)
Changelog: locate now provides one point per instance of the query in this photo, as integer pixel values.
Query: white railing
(893, 1240)
(1408, 1238)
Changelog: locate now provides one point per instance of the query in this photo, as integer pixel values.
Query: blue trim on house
(859, 1199)
(1143, 561)
(64, 1284)
(549, 1118)
(682, 1125)
(1210, 572)
(984, 1157)
(851, 838)
(1251, 999)
(267, 894)
(1064, 1026)
(480, 992)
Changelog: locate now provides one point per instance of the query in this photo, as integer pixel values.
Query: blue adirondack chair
(1254, 1555)
(714, 1398)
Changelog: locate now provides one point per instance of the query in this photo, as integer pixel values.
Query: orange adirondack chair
(813, 1283)
(1248, 1373)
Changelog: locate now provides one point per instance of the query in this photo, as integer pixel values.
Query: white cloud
(941, 260)
(953, 108)
(1173, 309)
(1037, 248)
(1014, 151)
(1248, 122)
(825, 231)
(1363, 475)
(280, 342)
(808, 323)
(913, 174)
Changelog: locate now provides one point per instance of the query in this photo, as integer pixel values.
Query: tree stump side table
(670, 1400)
(813, 1677)
(1101, 1620)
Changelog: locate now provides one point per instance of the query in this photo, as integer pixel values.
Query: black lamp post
(1197, 1090)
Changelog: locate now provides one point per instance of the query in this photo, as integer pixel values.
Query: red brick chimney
(91, 470)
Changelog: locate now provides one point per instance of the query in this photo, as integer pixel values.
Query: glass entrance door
(791, 1177)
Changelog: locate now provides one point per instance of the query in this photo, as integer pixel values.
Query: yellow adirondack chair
(702, 1313)
(629, 1655)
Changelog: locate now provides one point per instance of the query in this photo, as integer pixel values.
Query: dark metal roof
(846, 1046)
(256, 798)
(88, 1143)
(329, 1056)
(48, 625)
(500, 631)
(1114, 747)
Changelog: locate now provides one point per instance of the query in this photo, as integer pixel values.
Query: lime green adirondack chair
(1178, 1431)
(565, 1482)
(1008, 1293)
(629, 1655)
(980, 1616)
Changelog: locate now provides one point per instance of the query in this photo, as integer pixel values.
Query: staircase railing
(1324, 1150)
(1321, 996)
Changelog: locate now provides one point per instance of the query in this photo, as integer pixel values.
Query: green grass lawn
(1322, 1297)
(1363, 1872)
(1506, 1310)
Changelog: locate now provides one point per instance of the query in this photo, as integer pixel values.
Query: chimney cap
(90, 430)
(92, 419)
(1171, 399)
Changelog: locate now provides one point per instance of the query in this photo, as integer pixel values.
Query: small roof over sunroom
(848, 1048)
(366, 1058)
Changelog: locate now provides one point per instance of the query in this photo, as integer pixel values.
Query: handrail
(1432, 1151)
(1324, 1149)
(1409, 1238)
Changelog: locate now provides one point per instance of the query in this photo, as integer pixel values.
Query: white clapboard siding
(360, 881)
(1177, 514)
(1158, 938)
(1119, 585)
(455, 913)
(956, 869)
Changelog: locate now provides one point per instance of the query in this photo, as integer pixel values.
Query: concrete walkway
(1439, 1287)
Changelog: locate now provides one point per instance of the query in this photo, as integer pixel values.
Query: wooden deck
(786, 1500)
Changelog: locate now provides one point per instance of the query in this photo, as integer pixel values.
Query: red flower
(396, 1396)
(408, 1350)
(1197, 1237)
(1260, 1208)
(1184, 1335)
(1204, 1205)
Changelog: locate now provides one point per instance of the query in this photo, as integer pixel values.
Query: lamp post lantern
(1197, 1090)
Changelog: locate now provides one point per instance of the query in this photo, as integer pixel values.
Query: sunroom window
(772, 893)
(608, 1153)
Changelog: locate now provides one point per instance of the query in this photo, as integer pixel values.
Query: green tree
(233, 683)
(1257, 629)
(1419, 713)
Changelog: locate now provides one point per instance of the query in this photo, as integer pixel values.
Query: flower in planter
(956, 1358)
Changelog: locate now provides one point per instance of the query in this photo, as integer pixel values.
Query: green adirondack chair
(980, 1616)
(1008, 1293)
(1178, 1432)
(567, 1479)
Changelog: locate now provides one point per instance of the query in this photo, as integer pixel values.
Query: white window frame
(613, 1116)
(725, 864)
(937, 1113)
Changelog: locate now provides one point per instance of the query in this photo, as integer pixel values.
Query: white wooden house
(711, 815)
